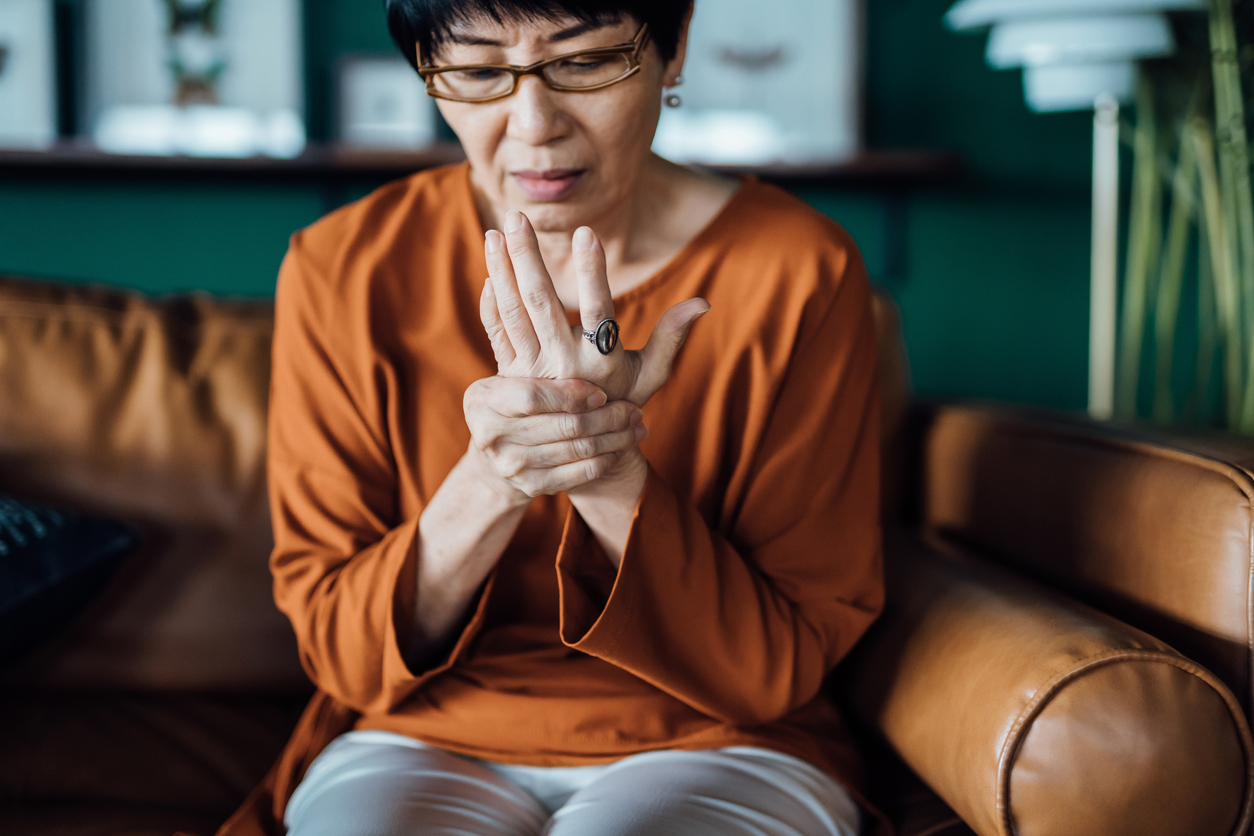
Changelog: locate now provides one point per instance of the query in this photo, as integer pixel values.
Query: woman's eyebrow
(468, 39)
(578, 29)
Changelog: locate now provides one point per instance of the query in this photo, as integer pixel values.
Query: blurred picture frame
(28, 77)
(198, 77)
(383, 104)
(769, 83)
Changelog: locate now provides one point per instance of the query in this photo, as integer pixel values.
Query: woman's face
(563, 158)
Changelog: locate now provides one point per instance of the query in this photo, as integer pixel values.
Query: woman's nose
(535, 117)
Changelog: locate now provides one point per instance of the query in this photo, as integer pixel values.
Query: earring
(673, 100)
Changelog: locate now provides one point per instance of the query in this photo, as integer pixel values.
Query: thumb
(664, 343)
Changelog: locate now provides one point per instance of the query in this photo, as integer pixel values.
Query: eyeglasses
(589, 69)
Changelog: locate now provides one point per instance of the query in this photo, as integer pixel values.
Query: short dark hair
(427, 23)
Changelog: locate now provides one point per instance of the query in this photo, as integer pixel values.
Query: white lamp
(1076, 55)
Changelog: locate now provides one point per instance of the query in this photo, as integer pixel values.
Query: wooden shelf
(335, 165)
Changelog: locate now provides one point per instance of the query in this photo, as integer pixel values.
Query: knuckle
(569, 426)
(531, 401)
(513, 314)
(536, 299)
(583, 448)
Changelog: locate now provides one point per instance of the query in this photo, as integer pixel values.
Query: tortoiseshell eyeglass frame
(632, 50)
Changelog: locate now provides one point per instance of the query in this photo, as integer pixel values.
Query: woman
(524, 611)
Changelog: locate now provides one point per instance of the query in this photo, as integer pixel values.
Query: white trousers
(369, 783)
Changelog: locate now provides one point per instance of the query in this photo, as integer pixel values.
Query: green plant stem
(1207, 330)
(1144, 237)
(1171, 278)
(1237, 199)
(1227, 294)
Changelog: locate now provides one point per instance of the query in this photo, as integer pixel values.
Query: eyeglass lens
(574, 72)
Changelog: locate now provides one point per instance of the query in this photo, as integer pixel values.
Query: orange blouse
(753, 561)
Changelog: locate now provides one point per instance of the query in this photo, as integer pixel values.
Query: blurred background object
(199, 77)
(971, 209)
(1080, 55)
(768, 83)
(383, 104)
(28, 116)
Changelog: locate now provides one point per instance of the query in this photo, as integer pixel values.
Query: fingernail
(596, 400)
(513, 220)
(642, 432)
(492, 241)
(583, 239)
(636, 417)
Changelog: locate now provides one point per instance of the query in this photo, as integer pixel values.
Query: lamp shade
(1078, 40)
(1072, 51)
(973, 14)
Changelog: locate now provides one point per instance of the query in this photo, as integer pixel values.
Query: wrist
(623, 481)
(479, 469)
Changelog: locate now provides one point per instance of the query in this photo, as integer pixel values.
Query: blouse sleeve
(743, 624)
(343, 564)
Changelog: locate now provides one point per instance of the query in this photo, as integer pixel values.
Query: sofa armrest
(1031, 713)
(1154, 527)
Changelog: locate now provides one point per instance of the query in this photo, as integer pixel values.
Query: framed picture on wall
(200, 77)
(383, 104)
(768, 82)
(28, 95)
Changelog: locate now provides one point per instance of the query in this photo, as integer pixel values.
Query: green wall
(991, 275)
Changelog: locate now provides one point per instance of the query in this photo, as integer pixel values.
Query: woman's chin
(556, 216)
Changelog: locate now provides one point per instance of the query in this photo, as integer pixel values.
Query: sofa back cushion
(1153, 528)
(152, 412)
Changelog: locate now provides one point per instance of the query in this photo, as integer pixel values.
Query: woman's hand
(539, 437)
(527, 324)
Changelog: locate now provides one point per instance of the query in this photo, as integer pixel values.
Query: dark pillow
(51, 565)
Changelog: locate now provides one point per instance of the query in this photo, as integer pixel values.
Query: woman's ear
(675, 67)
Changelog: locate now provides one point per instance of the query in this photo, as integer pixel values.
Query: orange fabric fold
(753, 562)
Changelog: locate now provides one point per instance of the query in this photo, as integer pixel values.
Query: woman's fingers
(596, 303)
(567, 477)
(491, 319)
(516, 460)
(509, 304)
(517, 397)
(535, 286)
(566, 426)
(667, 338)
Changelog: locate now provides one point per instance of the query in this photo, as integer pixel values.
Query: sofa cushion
(51, 564)
(1033, 715)
(1153, 527)
(101, 820)
(153, 412)
(194, 755)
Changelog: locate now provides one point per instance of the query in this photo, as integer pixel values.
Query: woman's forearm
(608, 505)
(461, 534)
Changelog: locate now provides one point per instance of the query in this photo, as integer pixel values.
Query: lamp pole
(1103, 283)
(1076, 55)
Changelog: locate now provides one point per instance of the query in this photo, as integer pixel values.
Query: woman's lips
(554, 184)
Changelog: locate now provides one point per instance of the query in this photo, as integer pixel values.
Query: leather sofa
(1066, 647)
